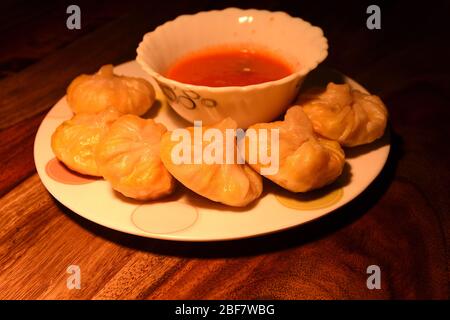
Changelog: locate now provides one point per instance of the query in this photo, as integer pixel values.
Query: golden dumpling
(229, 183)
(128, 157)
(75, 140)
(346, 115)
(306, 162)
(104, 89)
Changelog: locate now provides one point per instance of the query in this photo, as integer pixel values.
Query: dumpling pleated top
(306, 162)
(229, 183)
(128, 157)
(344, 114)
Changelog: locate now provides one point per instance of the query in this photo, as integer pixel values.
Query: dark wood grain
(401, 222)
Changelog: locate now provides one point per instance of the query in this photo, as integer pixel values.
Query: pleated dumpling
(75, 140)
(306, 162)
(344, 114)
(128, 157)
(104, 89)
(233, 184)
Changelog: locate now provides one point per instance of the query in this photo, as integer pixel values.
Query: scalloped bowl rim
(302, 72)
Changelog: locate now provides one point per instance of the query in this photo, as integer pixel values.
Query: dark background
(31, 30)
(401, 222)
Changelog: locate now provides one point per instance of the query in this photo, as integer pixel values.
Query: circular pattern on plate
(60, 173)
(311, 200)
(164, 217)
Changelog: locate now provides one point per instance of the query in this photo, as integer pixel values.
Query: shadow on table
(296, 236)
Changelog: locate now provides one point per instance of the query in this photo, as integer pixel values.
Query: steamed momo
(306, 162)
(104, 89)
(346, 115)
(128, 157)
(232, 184)
(75, 140)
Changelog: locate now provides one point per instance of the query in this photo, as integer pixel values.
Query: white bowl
(302, 45)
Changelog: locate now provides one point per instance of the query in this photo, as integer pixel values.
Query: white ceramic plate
(186, 216)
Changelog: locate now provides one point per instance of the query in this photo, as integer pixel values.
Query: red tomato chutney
(225, 67)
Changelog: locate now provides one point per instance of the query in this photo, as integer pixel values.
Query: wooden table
(400, 223)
